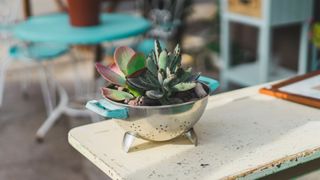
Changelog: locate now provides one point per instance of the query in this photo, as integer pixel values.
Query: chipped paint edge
(102, 165)
(278, 165)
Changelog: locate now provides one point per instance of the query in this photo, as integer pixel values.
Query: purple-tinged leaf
(110, 75)
(136, 63)
(115, 69)
(138, 73)
(122, 56)
(115, 94)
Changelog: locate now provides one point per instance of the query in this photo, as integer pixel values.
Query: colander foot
(128, 140)
(191, 135)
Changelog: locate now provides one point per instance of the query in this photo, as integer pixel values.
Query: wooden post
(98, 57)
(27, 11)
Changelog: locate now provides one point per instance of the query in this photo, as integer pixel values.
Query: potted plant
(84, 12)
(152, 97)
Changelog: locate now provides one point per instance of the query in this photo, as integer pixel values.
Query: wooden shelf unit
(265, 15)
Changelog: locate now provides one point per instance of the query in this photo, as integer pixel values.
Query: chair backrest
(9, 11)
(9, 14)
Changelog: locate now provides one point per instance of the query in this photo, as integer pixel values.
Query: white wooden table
(242, 134)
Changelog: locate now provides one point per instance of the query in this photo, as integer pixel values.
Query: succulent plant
(126, 63)
(156, 78)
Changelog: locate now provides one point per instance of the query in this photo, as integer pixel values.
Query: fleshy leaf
(157, 49)
(160, 78)
(163, 60)
(152, 67)
(154, 94)
(185, 75)
(200, 90)
(177, 50)
(110, 75)
(175, 59)
(116, 69)
(122, 56)
(134, 91)
(168, 80)
(154, 57)
(115, 94)
(136, 63)
(137, 73)
(145, 82)
(184, 86)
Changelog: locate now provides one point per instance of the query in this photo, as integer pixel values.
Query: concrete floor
(21, 157)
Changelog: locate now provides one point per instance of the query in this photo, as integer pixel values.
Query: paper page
(309, 87)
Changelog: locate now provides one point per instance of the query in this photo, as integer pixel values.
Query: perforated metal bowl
(155, 123)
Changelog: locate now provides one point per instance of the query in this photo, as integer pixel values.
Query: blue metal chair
(38, 51)
(36, 54)
(31, 53)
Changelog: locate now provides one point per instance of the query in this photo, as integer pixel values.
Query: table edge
(99, 163)
(278, 165)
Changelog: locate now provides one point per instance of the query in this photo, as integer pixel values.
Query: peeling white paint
(241, 134)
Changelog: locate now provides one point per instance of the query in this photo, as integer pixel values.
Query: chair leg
(52, 86)
(25, 81)
(77, 74)
(43, 74)
(54, 116)
(94, 117)
(3, 70)
(48, 123)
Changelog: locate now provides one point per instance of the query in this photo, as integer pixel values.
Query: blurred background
(239, 42)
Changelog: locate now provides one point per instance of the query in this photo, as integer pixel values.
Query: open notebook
(304, 89)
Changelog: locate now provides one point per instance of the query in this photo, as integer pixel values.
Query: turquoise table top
(56, 28)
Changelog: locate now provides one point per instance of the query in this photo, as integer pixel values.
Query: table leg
(3, 69)
(55, 114)
(98, 57)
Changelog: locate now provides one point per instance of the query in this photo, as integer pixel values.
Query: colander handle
(107, 109)
(212, 84)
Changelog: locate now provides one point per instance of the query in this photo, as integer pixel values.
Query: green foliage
(163, 60)
(136, 63)
(110, 75)
(164, 75)
(116, 95)
(122, 56)
(156, 77)
(127, 62)
(184, 86)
